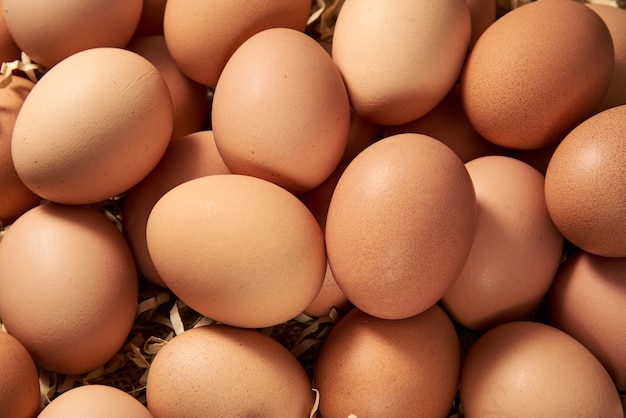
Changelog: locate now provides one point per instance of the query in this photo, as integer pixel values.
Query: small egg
(95, 401)
(373, 367)
(223, 371)
(531, 370)
(68, 287)
(19, 386)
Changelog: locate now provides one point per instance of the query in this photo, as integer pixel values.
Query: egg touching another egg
(19, 385)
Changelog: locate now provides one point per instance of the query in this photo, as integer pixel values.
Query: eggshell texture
(615, 20)
(192, 156)
(19, 386)
(189, 98)
(202, 34)
(516, 249)
(399, 59)
(68, 287)
(537, 72)
(16, 197)
(588, 301)
(95, 401)
(379, 368)
(92, 127)
(586, 181)
(49, 31)
(237, 249)
(222, 371)
(400, 225)
(280, 110)
(535, 370)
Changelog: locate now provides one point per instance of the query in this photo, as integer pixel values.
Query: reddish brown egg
(19, 386)
(151, 19)
(9, 51)
(483, 14)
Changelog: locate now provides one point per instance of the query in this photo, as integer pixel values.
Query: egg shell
(537, 72)
(516, 249)
(16, 197)
(400, 225)
(588, 301)
(399, 59)
(49, 31)
(237, 249)
(202, 34)
(535, 370)
(223, 371)
(94, 126)
(95, 401)
(402, 368)
(280, 110)
(68, 287)
(19, 386)
(585, 184)
(192, 156)
(189, 98)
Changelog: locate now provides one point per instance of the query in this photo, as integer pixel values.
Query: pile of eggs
(429, 172)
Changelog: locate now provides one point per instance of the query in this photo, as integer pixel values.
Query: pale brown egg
(373, 367)
(585, 184)
(280, 110)
(19, 385)
(95, 401)
(94, 126)
(537, 72)
(237, 249)
(400, 225)
(516, 249)
(16, 197)
(588, 301)
(202, 34)
(192, 156)
(68, 287)
(222, 371)
(531, 370)
(49, 31)
(400, 59)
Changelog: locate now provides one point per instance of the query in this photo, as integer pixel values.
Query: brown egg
(588, 301)
(537, 72)
(192, 156)
(9, 51)
(483, 14)
(49, 31)
(16, 197)
(237, 249)
(400, 225)
(373, 367)
(584, 184)
(188, 97)
(94, 126)
(223, 371)
(202, 34)
(400, 59)
(68, 287)
(530, 369)
(19, 386)
(292, 129)
(151, 19)
(516, 249)
(95, 401)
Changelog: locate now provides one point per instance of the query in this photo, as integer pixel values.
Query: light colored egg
(400, 225)
(537, 72)
(49, 31)
(223, 371)
(535, 370)
(68, 287)
(94, 126)
(202, 34)
(293, 129)
(399, 59)
(373, 367)
(19, 386)
(237, 249)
